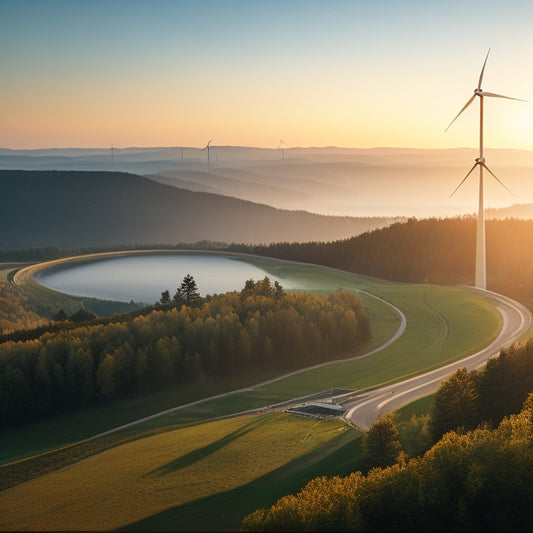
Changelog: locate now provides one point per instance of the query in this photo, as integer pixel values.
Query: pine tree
(165, 299)
(187, 293)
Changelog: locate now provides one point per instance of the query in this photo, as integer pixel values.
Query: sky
(363, 74)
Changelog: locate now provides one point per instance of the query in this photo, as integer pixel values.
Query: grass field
(164, 468)
(158, 475)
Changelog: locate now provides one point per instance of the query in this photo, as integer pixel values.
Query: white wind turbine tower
(481, 266)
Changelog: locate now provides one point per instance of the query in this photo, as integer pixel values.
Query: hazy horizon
(325, 180)
(310, 73)
(347, 85)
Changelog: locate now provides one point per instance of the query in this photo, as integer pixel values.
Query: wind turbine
(481, 264)
(113, 154)
(207, 148)
(282, 150)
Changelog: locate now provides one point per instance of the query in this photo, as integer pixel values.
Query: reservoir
(143, 277)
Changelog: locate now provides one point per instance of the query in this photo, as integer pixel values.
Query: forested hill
(77, 208)
(429, 250)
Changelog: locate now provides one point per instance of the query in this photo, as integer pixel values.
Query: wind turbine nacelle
(480, 159)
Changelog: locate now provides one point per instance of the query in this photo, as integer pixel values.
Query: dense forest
(428, 250)
(434, 250)
(235, 334)
(476, 475)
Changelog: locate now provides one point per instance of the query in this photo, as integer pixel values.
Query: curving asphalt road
(366, 408)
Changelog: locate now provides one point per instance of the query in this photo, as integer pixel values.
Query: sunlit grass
(136, 480)
(443, 324)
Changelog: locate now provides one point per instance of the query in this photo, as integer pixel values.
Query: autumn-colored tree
(105, 376)
(479, 480)
(456, 404)
(381, 444)
(415, 435)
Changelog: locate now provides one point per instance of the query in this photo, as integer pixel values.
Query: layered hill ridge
(81, 208)
(330, 180)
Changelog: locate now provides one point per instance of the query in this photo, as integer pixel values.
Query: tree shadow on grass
(201, 453)
(225, 511)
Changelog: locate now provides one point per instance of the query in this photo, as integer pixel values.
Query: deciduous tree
(381, 444)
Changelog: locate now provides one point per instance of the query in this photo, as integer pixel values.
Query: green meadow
(191, 469)
(182, 478)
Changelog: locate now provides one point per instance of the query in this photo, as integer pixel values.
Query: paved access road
(366, 407)
(369, 406)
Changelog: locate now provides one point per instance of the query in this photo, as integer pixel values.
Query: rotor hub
(480, 160)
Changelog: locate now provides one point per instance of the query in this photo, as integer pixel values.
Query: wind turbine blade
(484, 93)
(464, 179)
(457, 116)
(482, 71)
(498, 180)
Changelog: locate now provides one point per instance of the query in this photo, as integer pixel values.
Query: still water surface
(142, 278)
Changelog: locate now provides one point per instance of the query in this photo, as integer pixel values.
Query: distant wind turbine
(282, 150)
(481, 264)
(207, 148)
(112, 154)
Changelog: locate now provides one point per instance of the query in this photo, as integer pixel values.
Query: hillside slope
(77, 208)
(330, 180)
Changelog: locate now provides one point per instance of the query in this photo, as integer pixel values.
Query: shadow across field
(205, 451)
(226, 510)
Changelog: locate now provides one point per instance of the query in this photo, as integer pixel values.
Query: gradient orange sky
(313, 73)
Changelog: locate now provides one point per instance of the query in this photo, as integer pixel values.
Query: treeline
(226, 335)
(434, 250)
(48, 253)
(468, 399)
(476, 472)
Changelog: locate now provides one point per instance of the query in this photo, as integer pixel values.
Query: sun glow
(248, 73)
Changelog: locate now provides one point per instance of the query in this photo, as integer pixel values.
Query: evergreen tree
(187, 293)
(165, 299)
(83, 315)
(60, 315)
(278, 290)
